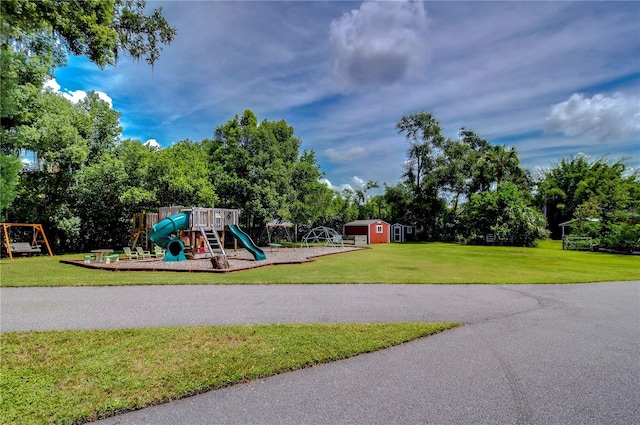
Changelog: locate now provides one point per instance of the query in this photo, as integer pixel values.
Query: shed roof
(573, 220)
(364, 222)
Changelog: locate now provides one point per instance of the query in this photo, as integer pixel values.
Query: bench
(349, 240)
(88, 258)
(24, 248)
(579, 243)
(112, 258)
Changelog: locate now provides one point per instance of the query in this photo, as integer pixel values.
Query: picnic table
(100, 253)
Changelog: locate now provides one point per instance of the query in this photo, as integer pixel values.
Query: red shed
(368, 231)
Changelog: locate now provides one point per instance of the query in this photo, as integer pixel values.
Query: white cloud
(603, 118)
(74, 96)
(358, 182)
(152, 144)
(338, 188)
(380, 43)
(493, 67)
(340, 155)
(51, 84)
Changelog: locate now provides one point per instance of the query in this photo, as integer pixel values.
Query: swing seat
(24, 248)
(275, 246)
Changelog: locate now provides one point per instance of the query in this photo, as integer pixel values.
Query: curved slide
(161, 233)
(246, 241)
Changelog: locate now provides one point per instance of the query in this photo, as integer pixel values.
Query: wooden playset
(202, 221)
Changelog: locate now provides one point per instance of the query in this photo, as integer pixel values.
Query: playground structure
(216, 218)
(320, 234)
(34, 247)
(192, 233)
(276, 233)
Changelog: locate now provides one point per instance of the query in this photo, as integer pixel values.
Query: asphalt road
(527, 354)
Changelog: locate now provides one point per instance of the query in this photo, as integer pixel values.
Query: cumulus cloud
(356, 183)
(338, 188)
(344, 155)
(603, 118)
(152, 144)
(380, 43)
(74, 96)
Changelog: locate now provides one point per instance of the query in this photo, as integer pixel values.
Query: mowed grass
(389, 263)
(65, 377)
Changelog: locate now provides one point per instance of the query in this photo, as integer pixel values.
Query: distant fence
(579, 243)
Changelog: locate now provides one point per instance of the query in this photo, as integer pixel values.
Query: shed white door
(398, 234)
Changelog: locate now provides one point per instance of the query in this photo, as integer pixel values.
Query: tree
(604, 196)
(253, 167)
(100, 126)
(97, 203)
(139, 192)
(101, 30)
(424, 134)
(9, 168)
(182, 176)
(35, 37)
(556, 191)
(425, 138)
(504, 213)
(398, 200)
(494, 165)
(312, 198)
(610, 210)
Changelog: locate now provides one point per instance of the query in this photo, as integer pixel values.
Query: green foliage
(9, 168)
(139, 192)
(505, 214)
(96, 202)
(181, 175)
(35, 37)
(312, 199)
(424, 135)
(622, 236)
(100, 30)
(602, 196)
(259, 169)
(65, 138)
(443, 173)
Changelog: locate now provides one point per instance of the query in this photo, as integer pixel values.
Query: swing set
(27, 248)
(277, 232)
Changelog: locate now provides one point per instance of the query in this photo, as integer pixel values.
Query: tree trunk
(220, 262)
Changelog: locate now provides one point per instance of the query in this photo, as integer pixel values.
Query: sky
(551, 79)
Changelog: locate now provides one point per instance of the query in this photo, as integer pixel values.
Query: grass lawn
(65, 377)
(389, 263)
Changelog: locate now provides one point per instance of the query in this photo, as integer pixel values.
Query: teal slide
(246, 241)
(161, 233)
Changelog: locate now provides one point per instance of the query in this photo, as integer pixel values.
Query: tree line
(84, 182)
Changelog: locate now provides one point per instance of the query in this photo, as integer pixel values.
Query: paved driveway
(542, 354)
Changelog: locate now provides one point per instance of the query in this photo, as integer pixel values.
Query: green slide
(161, 233)
(246, 241)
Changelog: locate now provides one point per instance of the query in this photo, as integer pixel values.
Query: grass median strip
(66, 377)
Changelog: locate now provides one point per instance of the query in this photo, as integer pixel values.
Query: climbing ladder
(212, 240)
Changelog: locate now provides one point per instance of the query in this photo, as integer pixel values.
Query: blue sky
(552, 79)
